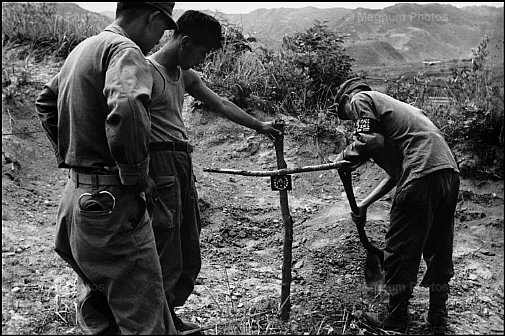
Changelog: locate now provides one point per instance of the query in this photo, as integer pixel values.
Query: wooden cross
(280, 180)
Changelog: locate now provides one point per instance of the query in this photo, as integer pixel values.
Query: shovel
(374, 266)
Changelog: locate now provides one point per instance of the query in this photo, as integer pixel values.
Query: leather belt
(94, 180)
(171, 146)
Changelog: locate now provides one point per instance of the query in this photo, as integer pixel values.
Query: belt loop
(76, 179)
(94, 182)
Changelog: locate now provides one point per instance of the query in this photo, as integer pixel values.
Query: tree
(319, 52)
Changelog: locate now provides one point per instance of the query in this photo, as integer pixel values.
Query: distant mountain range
(402, 33)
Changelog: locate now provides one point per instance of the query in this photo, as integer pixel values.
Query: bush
(234, 71)
(319, 53)
(299, 80)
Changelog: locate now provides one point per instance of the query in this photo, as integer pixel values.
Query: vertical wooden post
(288, 228)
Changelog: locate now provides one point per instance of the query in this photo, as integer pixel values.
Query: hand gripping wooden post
(288, 227)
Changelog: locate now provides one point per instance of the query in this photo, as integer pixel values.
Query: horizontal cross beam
(284, 171)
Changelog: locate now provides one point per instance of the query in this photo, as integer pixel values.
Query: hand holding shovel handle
(375, 257)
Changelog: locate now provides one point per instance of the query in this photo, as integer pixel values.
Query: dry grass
(41, 26)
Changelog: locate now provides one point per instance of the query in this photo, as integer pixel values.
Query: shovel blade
(374, 270)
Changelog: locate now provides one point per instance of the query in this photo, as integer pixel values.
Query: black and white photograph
(253, 168)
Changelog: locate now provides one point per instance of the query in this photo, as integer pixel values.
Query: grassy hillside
(271, 25)
(300, 82)
(374, 52)
(450, 32)
(48, 27)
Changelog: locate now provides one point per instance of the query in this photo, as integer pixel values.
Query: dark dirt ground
(238, 291)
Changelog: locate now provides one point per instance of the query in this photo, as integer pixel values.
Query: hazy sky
(246, 7)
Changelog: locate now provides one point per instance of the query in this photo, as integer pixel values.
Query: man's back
(99, 88)
(409, 131)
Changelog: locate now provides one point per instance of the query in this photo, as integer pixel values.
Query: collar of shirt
(114, 28)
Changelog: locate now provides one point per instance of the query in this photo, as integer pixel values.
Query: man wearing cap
(176, 216)
(403, 141)
(94, 112)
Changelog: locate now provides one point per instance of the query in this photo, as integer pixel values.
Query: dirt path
(242, 240)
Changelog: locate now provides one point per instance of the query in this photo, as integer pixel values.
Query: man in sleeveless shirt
(94, 112)
(176, 216)
(411, 149)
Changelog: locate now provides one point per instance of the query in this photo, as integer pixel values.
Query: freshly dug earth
(238, 291)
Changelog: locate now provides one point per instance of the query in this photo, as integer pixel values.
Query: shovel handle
(345, 176)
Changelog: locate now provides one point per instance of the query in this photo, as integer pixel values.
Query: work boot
(397, 317)
(437, 313)
(188, 328)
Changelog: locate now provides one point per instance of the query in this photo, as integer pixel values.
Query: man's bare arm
(222, 106)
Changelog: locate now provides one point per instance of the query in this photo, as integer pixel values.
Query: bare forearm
(385, 186)
(234, 113)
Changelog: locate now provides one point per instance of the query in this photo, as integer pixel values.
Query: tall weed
(44, 28)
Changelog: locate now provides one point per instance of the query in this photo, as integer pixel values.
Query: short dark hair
(130, 9)
(203, 29)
